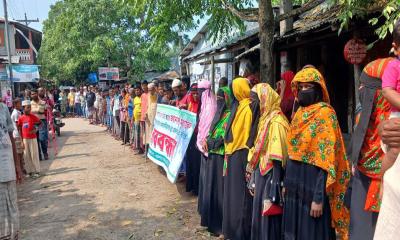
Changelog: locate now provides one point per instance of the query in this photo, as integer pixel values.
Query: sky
(40, 9)
(33, 8)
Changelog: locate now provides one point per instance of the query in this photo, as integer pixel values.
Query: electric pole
(8, 46)
(27, 21)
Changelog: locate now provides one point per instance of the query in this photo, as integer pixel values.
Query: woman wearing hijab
(366, 154)
(317, 173)
(192, 153)
(237, 208)
(208, 107)
(266, 160)
(214, 188)
(285, 91)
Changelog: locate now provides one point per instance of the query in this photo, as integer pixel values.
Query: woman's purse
(271, 209)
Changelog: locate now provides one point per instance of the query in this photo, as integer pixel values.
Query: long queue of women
(279, 170)
(262, 177)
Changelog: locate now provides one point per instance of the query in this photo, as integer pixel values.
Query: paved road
(97, 190)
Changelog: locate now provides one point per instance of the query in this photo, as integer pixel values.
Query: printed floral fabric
(315, 138)
(220, 127)
(371, 154)
(270, 143)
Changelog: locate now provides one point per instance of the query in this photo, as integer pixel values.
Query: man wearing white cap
(181, 100)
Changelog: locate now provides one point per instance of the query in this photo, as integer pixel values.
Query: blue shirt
(130, 109)
(108, 102)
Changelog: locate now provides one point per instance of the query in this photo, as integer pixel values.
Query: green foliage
(169, 18)
(384, 23)
(80, 36)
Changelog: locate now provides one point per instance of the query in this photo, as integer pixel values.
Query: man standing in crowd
(144, 103)
(90, 99)
(82, 101)
(160, 92)
(77, 105)
(168, 95)
(16, 113)
(10, 172)
(137, 115)
(116, 112)
(181, 97)
(84, 106)
(7, 100)
(151, 111)
(185, 83)
(71, 101)
(109, 110)
(131, 107)
(38, 108)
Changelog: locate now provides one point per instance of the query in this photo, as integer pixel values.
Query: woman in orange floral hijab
(317, 173)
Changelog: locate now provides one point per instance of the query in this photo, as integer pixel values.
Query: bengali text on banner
(170, 138)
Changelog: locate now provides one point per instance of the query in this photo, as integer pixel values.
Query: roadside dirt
(96, 189)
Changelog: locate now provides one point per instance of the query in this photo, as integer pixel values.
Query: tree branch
(306, 7)
(246, 15)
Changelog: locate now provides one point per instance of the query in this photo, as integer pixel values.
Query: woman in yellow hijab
(236, 223)
(317, 173)
(266, 160)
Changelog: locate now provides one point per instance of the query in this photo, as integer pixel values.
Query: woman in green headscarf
(211, 212)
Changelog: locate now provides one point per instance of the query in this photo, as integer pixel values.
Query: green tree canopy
(384, 23)
(80, 36)
(168, 18)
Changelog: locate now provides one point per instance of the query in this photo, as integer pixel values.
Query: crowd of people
(264, 163)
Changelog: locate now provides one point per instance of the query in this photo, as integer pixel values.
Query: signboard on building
(110, 74)
(355, 51)
(25, 73)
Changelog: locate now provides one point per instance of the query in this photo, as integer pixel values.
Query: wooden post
(187, 68)
(213, 73)
(357, 74)
(30, 49)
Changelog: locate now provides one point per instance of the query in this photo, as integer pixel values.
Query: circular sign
(355, 51)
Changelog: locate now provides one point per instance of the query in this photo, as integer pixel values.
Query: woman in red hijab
(285, 91)
(193, 99)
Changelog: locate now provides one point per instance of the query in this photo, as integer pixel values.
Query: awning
(247, 52)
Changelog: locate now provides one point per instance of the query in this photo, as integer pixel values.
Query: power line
(28, 21)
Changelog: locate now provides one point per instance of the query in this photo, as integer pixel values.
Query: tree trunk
(287, 24)
(266, 35)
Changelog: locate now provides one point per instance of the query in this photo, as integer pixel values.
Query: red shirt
(144, 103)
(27, 123)
(182, 102)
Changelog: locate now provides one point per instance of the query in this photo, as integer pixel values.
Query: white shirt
(14, 117)
(116, 106)
(7, 167)
(77, 98)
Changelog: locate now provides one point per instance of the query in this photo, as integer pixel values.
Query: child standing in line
(16, 113)
(28, 125)
(391, 91)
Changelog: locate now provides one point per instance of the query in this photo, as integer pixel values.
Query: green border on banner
(155, 156)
